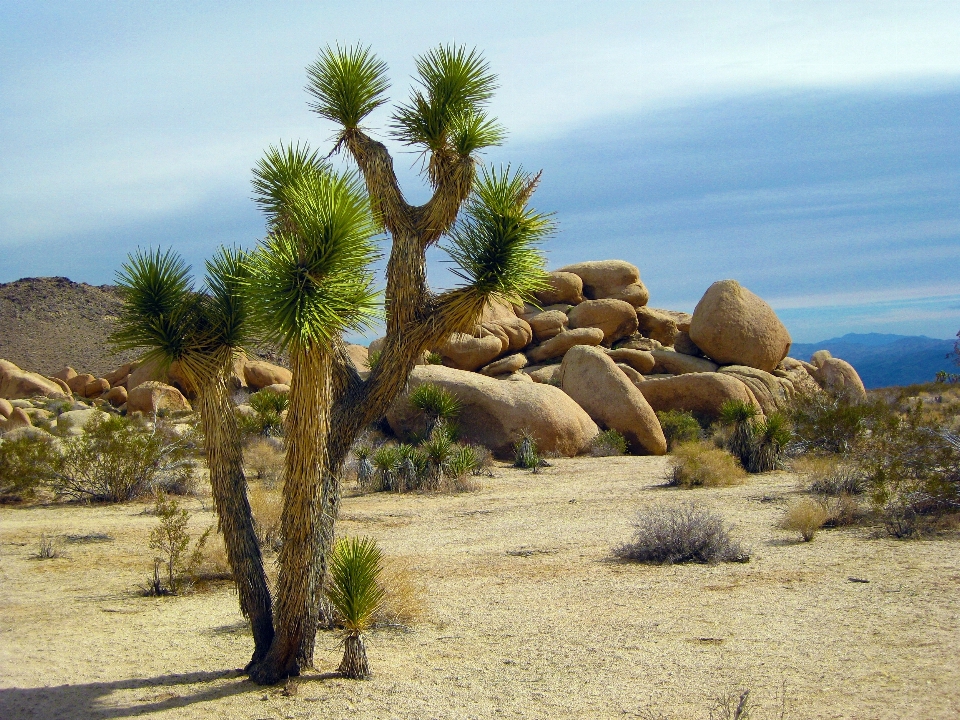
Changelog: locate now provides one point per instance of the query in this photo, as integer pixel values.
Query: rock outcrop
(594, 381)
(614, 279)
(617, 319)
(495, 413)
(153, 396)
(259, 374)
(700, 393)
(16, 383)
(735, 327)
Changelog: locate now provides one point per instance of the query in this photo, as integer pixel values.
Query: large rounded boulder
(153, 396)
(260, 374)
(466, 352)
(772, 392)
(617, 319)
(616, 279)
(702, 394)
(495, 414)
(500, 319)
(594, 381)
(563, 287)
(558, 345)
(16, 384)
(735, 327)
(838, 377)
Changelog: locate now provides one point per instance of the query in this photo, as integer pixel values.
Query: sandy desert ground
(528, 615)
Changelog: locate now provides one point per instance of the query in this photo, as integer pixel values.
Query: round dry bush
(701, 464)
(805, 516)
(666, 534)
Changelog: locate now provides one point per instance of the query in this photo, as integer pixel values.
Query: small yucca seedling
(437, 451)
(385, 461)
(356, 595)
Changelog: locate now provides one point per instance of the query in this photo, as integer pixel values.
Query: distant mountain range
(885, 360)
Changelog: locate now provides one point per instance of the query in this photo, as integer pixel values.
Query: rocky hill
(46, 323)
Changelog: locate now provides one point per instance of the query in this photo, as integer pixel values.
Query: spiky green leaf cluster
(737, 411)
(309, 279)
(436, 401)
(163, 316)
(495, 244)
(278, 170)
(446, 112)
(348, 84)
(160, 311)
(355, 590)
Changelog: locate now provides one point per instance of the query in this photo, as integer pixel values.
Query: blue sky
(810, 150)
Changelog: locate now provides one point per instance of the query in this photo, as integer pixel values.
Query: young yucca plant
(356, 595)
(526, 455)
(436, 403)
(366, 474)
(770, 437)
(437, 451)
(385, 460)
(740, 414)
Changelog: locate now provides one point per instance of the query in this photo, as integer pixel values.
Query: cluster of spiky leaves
(348, 84)
(163, 316)
(311, 274)
(446, 111)
(355, 590)
(495, 244)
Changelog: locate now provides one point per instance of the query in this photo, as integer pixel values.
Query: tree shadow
(85, 701)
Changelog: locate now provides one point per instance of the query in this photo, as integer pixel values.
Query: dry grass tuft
(805, 516)
(701, 464)
(263, 460)
(266, 504)
(405, 595)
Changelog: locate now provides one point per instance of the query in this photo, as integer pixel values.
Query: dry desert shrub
(404, 601)
(805, 516)
(665, 535)
(266, 505)
(700, 464)
(48, 548)
(831, 475)
(263, 459)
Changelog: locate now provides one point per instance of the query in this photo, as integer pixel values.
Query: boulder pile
(590, 355)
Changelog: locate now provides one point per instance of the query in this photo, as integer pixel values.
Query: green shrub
(740, 415)
(832, 424)
(608, 442)
(665, 535)
(115, 460)
(434, 359)
(679, 426)
(267, 419)
(700, 464)
(172, 541)
(912, 472)
(770, 438)
(25, 465)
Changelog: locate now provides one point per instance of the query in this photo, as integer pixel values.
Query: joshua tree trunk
(297, 606)
(229, 487)
(354, 664)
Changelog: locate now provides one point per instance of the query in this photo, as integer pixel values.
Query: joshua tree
(356, 594)
(203, 332)
(770, 437)
(493, 246)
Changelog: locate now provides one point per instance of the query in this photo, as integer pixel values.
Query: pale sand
(562, 632)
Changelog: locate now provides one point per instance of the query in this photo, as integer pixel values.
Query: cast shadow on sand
(91, 701)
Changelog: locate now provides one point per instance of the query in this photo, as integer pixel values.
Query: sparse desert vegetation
(536, 495)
